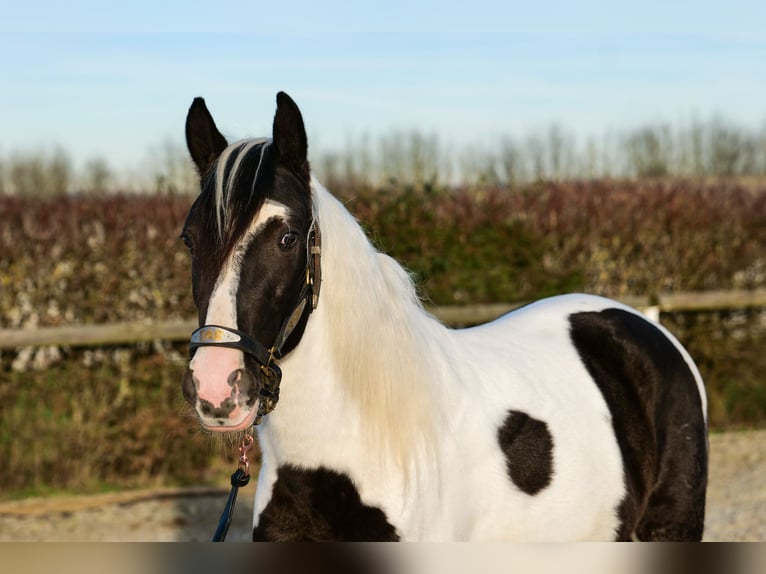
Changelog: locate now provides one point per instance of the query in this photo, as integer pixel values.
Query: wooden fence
(140, 332)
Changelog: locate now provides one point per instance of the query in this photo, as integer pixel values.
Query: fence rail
(141, 332)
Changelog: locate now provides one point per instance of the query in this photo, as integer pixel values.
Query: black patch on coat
(528, 447)
(319, 505)
(657, 418)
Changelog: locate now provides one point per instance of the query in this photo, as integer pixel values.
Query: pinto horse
(573, 418)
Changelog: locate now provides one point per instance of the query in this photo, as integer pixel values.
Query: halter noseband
(219, 336)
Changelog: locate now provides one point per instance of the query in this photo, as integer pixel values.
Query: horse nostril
(189, 386)
(226, 407)
(247, 384)
(235, 377)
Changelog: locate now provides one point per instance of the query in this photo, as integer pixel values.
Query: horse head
(253, 241)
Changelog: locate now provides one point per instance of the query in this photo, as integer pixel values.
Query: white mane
(381, 337)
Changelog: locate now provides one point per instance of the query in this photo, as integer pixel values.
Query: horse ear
(203, 139)
(289, 137)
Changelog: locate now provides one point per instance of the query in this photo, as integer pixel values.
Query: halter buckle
(269, 393)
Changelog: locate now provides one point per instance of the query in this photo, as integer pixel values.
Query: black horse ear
(203, 139)
(289, 137)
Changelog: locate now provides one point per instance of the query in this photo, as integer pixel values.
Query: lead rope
(239, 478)
(269, 395)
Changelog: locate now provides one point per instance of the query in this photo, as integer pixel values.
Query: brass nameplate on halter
(213, 335)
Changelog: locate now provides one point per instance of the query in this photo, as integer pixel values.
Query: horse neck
(362, 365)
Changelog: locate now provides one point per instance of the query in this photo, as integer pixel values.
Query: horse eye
(288, 240)
(187, 241)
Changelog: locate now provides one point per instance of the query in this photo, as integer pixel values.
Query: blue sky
(114, 80)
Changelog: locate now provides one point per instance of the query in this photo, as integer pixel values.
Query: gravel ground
(736, 506)
(736, 496)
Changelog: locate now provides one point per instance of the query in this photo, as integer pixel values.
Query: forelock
(235, 188)
(241, 159)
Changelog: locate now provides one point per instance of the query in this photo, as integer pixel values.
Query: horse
(572, 418)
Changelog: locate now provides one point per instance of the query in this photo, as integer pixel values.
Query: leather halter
(220, 336)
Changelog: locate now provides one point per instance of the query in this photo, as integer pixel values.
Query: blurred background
(502, 153)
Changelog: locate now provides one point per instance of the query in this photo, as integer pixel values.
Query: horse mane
(380, 335)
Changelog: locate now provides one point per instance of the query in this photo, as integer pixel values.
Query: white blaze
(213, 365)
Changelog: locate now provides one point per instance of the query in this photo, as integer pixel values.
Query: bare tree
(648, 152)
(729, 149)
(561, 152)
(2, 176)
(172, 170)
(511, 162)
(40, 173)
(97, 176)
